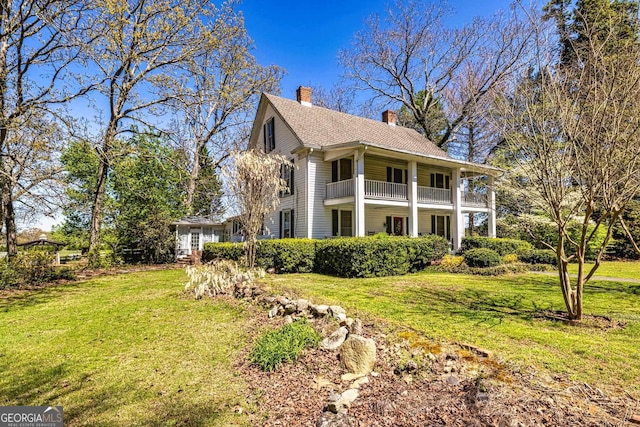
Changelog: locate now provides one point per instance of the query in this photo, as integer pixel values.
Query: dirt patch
(458, 386)
(588, 321)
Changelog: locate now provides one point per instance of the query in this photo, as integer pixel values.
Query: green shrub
(502, 246)
(539, 256)
(32, 267)
(377, 257)
(283, 345)
(8, 276)
(452, 264)
(510, 258)
(287, 255)
(222, 250)
(482, 258)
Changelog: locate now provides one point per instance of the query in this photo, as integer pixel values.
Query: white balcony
(340, 189)
(470, 198)
(384, 190)
(434, 195)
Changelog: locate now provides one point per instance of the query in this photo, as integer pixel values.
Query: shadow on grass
(18, 299)
(99, 404)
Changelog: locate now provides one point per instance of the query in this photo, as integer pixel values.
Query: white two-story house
(356, 176)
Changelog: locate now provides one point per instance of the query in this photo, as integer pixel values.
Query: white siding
(286, 142)
(319, 176)
(376, 167)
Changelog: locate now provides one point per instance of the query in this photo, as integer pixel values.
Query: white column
(457, 221)
(491, 204)
(358, 161)
(413, 198)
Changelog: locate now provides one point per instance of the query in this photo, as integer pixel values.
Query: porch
(382, 190)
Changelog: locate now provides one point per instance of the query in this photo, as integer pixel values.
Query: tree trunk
(10, 226)
(565, 280)
(193, 178)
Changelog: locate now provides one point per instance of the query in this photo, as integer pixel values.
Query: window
(286, 223)
(396, 225)
(439, 180)
(441, 226)
(269, 135)
(398, 176)
(286, 173)
(235, 227)
(342, 223)
(341, 169)
(195, 239)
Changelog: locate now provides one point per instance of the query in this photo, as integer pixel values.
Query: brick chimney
(389, 117)
(303, 95)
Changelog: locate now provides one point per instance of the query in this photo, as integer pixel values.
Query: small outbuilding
(44, 241)
(192, 232)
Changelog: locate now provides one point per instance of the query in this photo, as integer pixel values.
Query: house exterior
(192, 232)
(355, 176)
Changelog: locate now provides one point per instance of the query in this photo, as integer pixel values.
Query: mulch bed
(482, 391)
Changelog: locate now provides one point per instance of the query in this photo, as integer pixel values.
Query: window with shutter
(269, 135)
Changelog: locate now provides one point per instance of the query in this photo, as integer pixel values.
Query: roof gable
(320, 127)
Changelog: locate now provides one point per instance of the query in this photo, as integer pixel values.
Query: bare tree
(338, 98)
(255, 184)
(35, 58)
(574, 134)
(409, 57)
(219, 90)
(140, 51)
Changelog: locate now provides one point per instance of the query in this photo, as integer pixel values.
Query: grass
(123, 350)
(497, 313)
(624, 269)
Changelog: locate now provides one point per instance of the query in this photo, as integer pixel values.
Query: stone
(283, 301)
(273, 311)
(341, 317)
(288, 320)
(356, 327)
(351, 377)
(360, 381)
(451, 380)
(335, 340)
(302, 305)
(289, 308)
(319, 310)
(407, 378)
(271, 270)
(348, 321)
(358, 354)
(331, 419)
(374, 374)
(334, 310)
(334, 402)
(320, 382)
(349, 396)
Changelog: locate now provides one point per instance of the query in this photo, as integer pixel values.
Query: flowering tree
(255, 184)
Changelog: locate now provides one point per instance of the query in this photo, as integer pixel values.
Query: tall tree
(574, 132)
(37, 48)
(410, 58)
(219, 89)
(140, 48)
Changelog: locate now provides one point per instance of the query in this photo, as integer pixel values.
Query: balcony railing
(470, 198)
(434, 195)
(385, 190)
(394, 191)
(336, 190)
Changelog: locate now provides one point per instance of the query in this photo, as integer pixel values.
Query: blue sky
(304, 37)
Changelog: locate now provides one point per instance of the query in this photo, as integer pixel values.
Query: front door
(398, 225)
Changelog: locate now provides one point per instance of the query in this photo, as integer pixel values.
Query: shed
(192, 232)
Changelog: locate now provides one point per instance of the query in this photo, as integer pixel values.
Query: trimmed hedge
(377, 257)
(482, 258)
(287, 255)
(345, 257)
(222, 250)
(539, 256)
(502, 246)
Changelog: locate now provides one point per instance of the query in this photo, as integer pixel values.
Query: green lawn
(497, 313)
(624, 269)
(123, 350)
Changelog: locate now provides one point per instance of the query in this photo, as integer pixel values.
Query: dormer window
(269, 136)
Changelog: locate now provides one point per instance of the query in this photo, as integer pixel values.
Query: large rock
(319, 310)
(358, 354)
(334, 310)
(329, 419)
(334, 340)
(302, 305)
(355, 327)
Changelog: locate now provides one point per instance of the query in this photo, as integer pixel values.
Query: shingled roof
(320, 127)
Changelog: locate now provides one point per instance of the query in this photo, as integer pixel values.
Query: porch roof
(196, 220)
